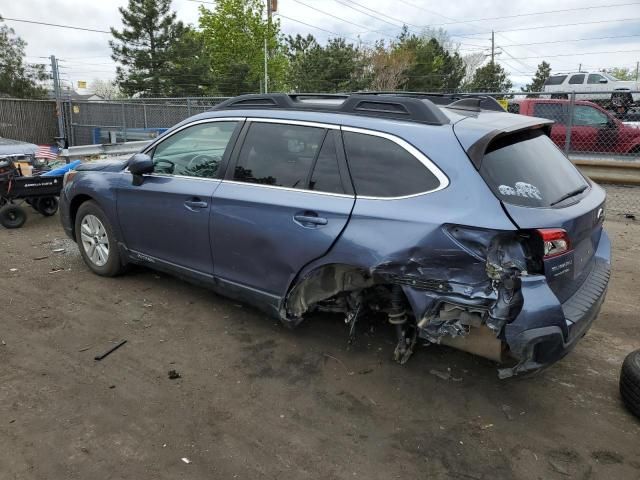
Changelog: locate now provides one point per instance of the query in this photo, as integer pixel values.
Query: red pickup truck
(593, 129)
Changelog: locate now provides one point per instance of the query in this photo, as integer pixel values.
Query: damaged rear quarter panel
(405, 236)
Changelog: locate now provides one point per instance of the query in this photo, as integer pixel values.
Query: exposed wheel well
(73, 210)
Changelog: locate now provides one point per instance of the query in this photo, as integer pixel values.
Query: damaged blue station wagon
(462, 224)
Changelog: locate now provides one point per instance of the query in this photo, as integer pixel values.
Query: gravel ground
(256, 400)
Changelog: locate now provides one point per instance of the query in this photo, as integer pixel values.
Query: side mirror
(603, 80)
(140, 164)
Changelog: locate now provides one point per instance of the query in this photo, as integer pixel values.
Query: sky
(605, 35)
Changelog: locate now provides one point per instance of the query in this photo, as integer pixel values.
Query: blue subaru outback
(461, 224)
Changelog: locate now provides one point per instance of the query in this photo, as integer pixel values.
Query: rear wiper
(572, 193)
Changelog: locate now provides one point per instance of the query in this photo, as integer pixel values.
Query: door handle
(195, 204)
(310, 218)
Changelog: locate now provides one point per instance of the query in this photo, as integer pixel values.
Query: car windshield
(527, 169)
(610, 77)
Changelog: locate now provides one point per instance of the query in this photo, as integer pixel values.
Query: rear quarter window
(527, 169)
(381, 168)
(556, 80)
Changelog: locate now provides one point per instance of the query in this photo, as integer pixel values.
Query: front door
(284, 201)
(166, 219)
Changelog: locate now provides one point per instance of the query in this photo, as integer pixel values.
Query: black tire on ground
(47, 206)
(12, 216)
(630, 382)
(113, 265)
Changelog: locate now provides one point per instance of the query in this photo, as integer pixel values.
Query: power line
(56, 25)
(571, 40)
(307, 24)
(377, 15)
(541, 27)
(329, 14)
(520, 14)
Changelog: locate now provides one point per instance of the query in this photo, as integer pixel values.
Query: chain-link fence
(623, 201)
(596, 124)
(92, 122)
(31, 121)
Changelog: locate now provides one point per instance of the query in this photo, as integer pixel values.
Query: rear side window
(552, 111)
(577, 79)
(278, 154)
(382, 168)
(555, 80)
(528, 169)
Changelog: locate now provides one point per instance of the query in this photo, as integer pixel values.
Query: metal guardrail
(610, 171)
(109, 149)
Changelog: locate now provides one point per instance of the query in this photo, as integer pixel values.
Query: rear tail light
(555, 241)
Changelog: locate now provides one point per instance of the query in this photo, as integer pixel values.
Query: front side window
(595, 78)
(195, 151)
(382, 168)
(584, 115)
(278, 154)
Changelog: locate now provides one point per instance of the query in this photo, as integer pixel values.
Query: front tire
(96, 241)
(630, 382)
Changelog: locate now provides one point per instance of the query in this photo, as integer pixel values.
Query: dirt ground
(256, 400)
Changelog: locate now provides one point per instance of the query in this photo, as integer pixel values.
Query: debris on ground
(56, 270)
(445, 375)
(507, 410)
(186, 460)
(630, 216)
(59, 250)
(110, 351)
(13, 269)
(41, 258)
(173, 374)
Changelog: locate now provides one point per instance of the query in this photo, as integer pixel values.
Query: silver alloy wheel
(94, 240)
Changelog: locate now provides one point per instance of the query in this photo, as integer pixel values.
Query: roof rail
(399, 107)
(448, 100)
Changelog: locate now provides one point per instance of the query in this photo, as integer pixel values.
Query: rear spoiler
(476, 150)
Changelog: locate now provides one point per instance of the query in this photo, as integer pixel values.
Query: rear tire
(47, 206)
(630, 382)
(12, 216)
(96, 241)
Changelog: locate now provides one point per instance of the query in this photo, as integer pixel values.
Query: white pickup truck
(601, 87)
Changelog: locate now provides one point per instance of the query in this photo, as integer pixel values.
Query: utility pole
(492, 46)
(266, 50)
(56, 90)
(579, 67)
(637, 67)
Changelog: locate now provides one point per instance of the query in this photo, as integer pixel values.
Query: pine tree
(490, 78)
(143, 48)
(537, 82)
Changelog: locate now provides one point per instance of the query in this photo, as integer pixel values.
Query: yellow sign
(504, 103)
(76, 109)
(82, 84)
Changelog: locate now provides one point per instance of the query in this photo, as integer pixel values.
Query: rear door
(285, 199)
(166, 219)
(531, 176)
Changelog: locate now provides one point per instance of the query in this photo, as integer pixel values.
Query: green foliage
(234, 33)
(434, 68)
(537, 82)
(338, 66)
(622, 73)
(490, 78)
(145, 50)
(17, 79)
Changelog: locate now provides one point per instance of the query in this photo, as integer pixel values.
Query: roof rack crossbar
(447, 99)
(398, 107)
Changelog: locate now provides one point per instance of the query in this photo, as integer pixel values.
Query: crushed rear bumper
(546, 330)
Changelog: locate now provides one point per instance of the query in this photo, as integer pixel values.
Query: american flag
(50, 152)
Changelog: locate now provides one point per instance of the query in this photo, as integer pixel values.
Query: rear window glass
(382, 168)
(557, 80)
(528, 169)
